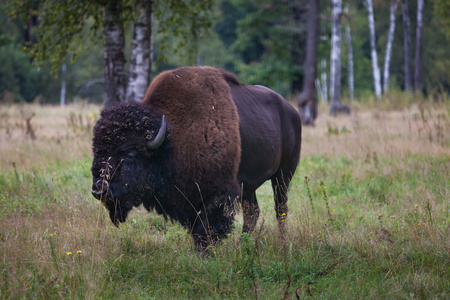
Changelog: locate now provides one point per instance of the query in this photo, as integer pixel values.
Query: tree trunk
(407, 47)
(324, 80)
(307, 102)
(297, 9)
(387, 58)
(62, 99)
(32, 23)
(140, 59)
(373, 50)
(418, 56)
(115, 75)
(348, 39)
(335, 58)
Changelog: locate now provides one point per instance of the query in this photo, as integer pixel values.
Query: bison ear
(159, 139)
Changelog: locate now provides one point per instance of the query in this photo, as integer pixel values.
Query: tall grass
(371, 220)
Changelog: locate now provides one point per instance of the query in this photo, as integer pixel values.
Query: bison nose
(96, 194)
(99, 190)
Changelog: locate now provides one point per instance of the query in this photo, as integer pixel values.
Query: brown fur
(204, 121)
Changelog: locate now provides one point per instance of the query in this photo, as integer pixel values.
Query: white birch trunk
(335, 57)
(387, 58)
(418, 54)
(324, 80)
(373, 51)
(407, 46)
(348, 38)
(319, 89)
(141, 56)
(62, 99)
(115, 75)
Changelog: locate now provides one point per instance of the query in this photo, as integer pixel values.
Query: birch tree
(373, 50)
(407, 46)
(323, 81)
(307, 102)
(387, 58)
(62, 98)
(141, 53)
(335, 57)
(418, 54)
(114, 41)
(348, 39)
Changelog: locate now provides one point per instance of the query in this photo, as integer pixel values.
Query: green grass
(373, 225)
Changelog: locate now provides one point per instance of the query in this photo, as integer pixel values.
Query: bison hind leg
(250, 210)
(280, 184)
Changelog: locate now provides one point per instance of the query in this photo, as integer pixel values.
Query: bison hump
(204, 121)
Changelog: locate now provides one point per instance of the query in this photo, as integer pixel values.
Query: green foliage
(184, 21)
(17, 77)
(442, 11)
(249, 28)
(68, 28)
(23, 80)
(61, 28)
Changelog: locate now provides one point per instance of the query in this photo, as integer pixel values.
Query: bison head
(130, 145)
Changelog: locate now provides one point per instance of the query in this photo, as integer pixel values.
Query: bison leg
(213, 222)
(250, 210)
(280, 184)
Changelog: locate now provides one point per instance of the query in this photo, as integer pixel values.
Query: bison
(199, 142)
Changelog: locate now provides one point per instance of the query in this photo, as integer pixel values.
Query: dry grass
(393, 133)
(60, 134)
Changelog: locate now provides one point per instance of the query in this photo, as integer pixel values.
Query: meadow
(369, 217)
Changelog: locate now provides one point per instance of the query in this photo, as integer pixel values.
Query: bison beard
(189, 169)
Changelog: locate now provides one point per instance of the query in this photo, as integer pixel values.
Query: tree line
(333, 49)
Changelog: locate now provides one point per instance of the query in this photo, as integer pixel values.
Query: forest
(368, 212)
(55, 52)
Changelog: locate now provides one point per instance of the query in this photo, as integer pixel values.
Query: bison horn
(159, 139)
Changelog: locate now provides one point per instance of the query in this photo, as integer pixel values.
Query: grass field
(369, 217)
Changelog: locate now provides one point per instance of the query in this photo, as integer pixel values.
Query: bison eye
(131, 155)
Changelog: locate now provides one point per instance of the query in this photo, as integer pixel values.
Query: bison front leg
(250, 210)
(213, 222)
